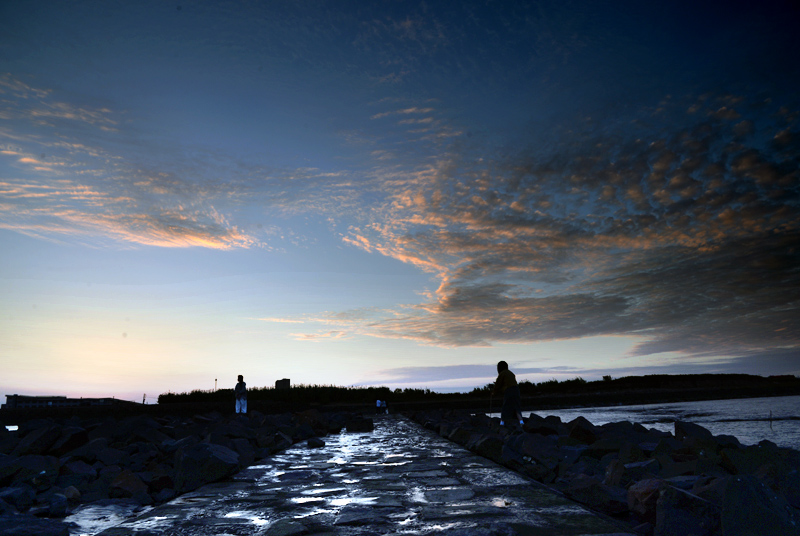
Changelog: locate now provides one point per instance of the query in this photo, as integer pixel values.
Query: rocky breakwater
(48, 467)
(689, 482)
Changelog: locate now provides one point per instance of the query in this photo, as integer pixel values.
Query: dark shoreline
(539, 403)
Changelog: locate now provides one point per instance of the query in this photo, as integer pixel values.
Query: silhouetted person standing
(240, 391)
(506, 385)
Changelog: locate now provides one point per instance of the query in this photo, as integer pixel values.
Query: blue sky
(394, 193)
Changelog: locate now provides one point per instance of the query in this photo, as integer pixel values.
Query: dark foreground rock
(689, 483)
(49, 467)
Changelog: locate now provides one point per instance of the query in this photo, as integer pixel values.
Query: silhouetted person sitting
(506, 384)
(240, 391)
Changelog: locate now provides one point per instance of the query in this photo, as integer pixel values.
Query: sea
(750, 420)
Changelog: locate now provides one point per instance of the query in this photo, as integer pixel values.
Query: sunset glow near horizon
(395, 194)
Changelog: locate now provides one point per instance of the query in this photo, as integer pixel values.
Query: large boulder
(203, 463)
(539, 425)
(643, 498)
(71, 437)
(680, 512)
(490, 446)
(38, 471)
(27, 525)
(127, 484)
(751, 509)
(583, 431)
(20, 497)
(593, 493)
(76, 473)
(38, 441)
(685, 430)
(749, 459)
(88, 452)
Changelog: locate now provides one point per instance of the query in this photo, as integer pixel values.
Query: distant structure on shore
(25, 402)
(282, 384)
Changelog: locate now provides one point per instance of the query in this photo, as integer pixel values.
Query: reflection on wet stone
(398, 479)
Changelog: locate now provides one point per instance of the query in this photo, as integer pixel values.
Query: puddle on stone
(501, 502)
(256, 520)
(315, 512)
(304, 500)
(323, 491)
(360, 501)
(417, 495)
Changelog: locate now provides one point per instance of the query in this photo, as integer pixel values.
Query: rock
(666, 446)
(58, 505)
(72, 494)
(680, 512)
(751, 509)
(71, 438)
(246, 452)
(23, 525)
(280, 442)
(164, 495)
(160, 482)
(541, 448)
(603, 446)
(6, 508)
(315, 443)
(630, 453)
(622, 474)
(285, 527)
(643, 498)
(593, 493)
(38, 441)
(203, 463)
(489, 446)
(582, 431)
(685, 430)
(111, 456)
(80, 471)
(537, 425)
(20, 497)
(39, 471)
(127, 484)
(460, 435)
(169, 446)
(88, 452)
(747, 460)
(727, 441)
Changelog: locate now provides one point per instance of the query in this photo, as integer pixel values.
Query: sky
(396, 193)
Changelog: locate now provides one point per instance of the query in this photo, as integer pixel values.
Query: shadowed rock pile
(689, 483)
(47, 467)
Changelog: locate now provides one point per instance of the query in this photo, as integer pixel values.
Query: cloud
(688, 234)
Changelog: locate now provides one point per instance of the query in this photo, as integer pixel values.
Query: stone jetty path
(398, 479)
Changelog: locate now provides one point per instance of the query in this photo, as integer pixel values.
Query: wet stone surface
(399, 479)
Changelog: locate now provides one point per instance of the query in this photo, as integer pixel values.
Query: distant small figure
(240, 391)
(385, 407)
(506, 385)
(378, 406)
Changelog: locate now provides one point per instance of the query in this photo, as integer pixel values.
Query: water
(748, 419)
